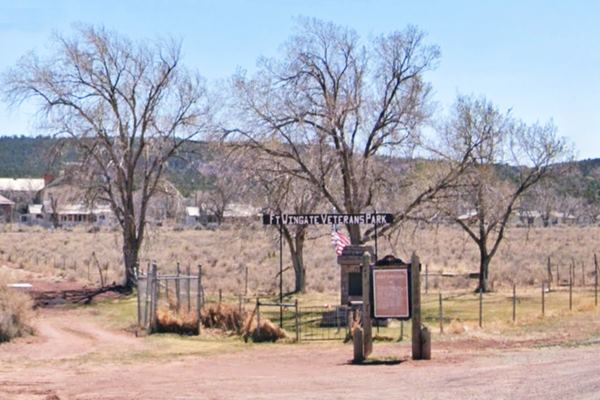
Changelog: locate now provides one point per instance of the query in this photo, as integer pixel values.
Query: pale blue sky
(539, 58)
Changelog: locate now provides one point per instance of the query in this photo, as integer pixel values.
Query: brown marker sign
(391, 293)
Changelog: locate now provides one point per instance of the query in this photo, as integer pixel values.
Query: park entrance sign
(328, 219)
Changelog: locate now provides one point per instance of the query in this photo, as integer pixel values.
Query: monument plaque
(391, 293)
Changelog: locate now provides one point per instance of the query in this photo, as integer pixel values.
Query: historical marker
(391, 293)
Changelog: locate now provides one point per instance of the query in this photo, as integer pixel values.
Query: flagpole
(280, 273)
(376, 258)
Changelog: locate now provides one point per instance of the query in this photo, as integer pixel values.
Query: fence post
(257, 317)
(199, 299)
(557, 275)
(220, 296)
(595, 280)
(154, 298)
(246, 282)
(366, 314)
(514, 303)
(550, 278)
(178, 288)
(147, 295)
(417, 342)
(167, 290)
(543, 299)
(571, 295)
(480, 307)
(139, 302)
(188, 290)
(426, 278)
(297, 321)
(441, 315)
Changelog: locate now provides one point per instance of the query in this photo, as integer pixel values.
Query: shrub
(15, 313)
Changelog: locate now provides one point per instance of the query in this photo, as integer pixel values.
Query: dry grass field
(83, 352)
(226, 252)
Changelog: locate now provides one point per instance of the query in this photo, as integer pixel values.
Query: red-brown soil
(74, 356)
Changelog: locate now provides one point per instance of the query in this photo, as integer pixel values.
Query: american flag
(339, 240)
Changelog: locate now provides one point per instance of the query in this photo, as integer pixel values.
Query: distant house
(22, 191)
(240, 212)
(530, 218)
(192, 216)
(35, 215)
(469, 217)
(77, 214)
(6, 209)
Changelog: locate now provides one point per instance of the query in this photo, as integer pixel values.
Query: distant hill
(22, 156)
(28, 157)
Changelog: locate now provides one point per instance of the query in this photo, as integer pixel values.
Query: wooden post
(514, 303)
(178, 289)
(416, 308)
(543, 299)
(359, 345)
(441, 316)
(550, 278)
(582, 273)
(595, 280)
(220, 296)
(557, 275)
(426, 278)
(425, 344)
(257, 316)
(153, 298)
(246, 282)
(480, 307)
(139, 302)
(147, 296)
(167, 290)
(366, 314)
(199, 299)
(571, 295)
(296, 309)
(240, 300)
(188, 289)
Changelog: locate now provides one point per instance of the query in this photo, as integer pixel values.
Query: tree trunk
(298, 263)
(484, 265)
(131, 249)
(296, 246)
(355, 237)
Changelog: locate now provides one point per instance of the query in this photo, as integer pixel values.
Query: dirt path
(73, 357)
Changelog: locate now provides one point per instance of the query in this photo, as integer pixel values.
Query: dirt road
(75, 357)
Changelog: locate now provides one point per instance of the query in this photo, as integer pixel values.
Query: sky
(540, 59)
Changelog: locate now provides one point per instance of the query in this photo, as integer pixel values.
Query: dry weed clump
(456, 327)
(15, 313)
(221, 316)
(268, 332)
(183, 323)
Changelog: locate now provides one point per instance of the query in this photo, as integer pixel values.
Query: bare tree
(335, 112)
(228, 180)
(129, 107)
(507, 160)
(283, 193)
